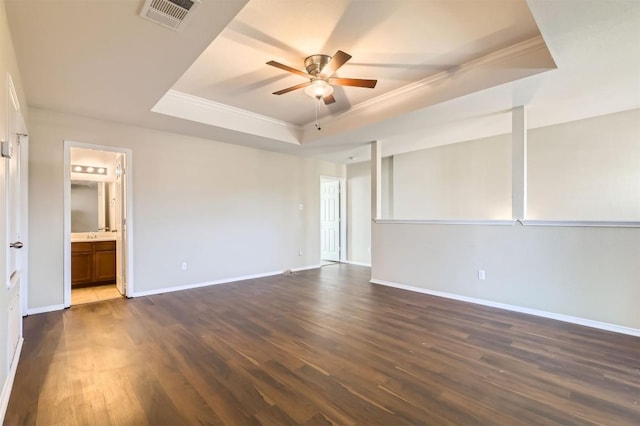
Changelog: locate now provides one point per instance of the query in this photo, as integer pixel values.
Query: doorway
(97, 212)
(332, 225)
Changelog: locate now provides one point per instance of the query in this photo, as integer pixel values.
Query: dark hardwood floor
(318, 347)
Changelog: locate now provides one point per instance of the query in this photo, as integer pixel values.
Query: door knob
(17, 245)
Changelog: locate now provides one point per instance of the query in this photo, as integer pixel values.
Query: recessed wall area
(586, 170)
(466, 180)
(583, 170)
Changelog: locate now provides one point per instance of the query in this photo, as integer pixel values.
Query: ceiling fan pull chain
(317, 108)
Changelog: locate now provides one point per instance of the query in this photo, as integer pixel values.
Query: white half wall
(227, 211)
(584, 170)
(589, 273)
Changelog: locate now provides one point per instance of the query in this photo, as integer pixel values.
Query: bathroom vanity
(93, 262)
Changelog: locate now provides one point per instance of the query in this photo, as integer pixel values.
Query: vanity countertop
(84, 237)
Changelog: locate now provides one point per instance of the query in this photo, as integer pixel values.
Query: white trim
(353, 262)
(8, 383)
(582, 223)
(216, 282)
(419, 88)
(128, 176)
(182, 105)
(45, 309)
(224, 108)
(306, 268)
(24, 221)
(13, 95)
(507, 222)
(545, 314)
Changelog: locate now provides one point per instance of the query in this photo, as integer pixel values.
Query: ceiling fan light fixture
(319, 89)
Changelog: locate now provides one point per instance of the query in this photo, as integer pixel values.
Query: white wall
(467, 180)
(586, 170)
(359, 213)
(8, 65)
(590, 273)
(359, 207)
(228, 211)
(583, 170)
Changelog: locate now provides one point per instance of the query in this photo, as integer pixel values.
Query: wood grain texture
(318, 347)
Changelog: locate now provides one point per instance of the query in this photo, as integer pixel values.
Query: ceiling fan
(320, 71)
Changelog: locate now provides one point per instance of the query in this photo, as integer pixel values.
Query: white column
(376, 183)
(518, 163)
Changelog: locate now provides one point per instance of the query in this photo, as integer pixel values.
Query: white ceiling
(448, 70)
(395, 42)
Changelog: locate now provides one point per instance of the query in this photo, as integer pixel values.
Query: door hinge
(5, 149)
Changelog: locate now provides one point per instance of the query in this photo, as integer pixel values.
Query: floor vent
(169, 13)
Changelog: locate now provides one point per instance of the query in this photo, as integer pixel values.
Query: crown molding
(183, 105)
(513, 51)
(514, 62)
(505, 65)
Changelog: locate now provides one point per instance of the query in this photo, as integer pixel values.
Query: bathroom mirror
(91, 206)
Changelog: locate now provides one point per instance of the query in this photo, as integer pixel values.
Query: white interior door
(10, 170)
(121, 225)
(14, 236)
(330, 220)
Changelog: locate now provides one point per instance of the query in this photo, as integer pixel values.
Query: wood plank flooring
(318, 347)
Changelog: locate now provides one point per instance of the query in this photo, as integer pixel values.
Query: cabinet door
(104, 265)
(81, 267)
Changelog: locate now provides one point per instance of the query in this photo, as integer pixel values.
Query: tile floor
(94, 294)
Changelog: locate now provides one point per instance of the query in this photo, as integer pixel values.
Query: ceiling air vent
(169, 13)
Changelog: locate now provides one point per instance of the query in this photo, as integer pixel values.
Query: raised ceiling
(396, 42)
(448, 70)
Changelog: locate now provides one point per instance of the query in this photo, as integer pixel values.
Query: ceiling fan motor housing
(315, 63)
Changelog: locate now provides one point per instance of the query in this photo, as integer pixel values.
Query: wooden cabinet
(93, 262)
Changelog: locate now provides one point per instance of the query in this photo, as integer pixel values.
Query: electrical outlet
(184, 266)
(481, 274)
(299, 252)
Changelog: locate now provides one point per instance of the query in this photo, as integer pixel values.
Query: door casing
(343, 213)
(128, 178)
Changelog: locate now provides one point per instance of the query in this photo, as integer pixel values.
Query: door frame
(342, 182)
(24, 218)
(128, 259)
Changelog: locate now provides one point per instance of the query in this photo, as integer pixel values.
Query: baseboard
(552, 315)
(8, 383)
(306, 268)
(353, 262)
(223, 281)
(45, 309)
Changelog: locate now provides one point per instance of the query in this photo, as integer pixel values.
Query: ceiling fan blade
(292, 88)
(329, 99)
(337, 60)
(356, 82)
(288, 68)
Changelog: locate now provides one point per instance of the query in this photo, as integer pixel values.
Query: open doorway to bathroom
(97, 241)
